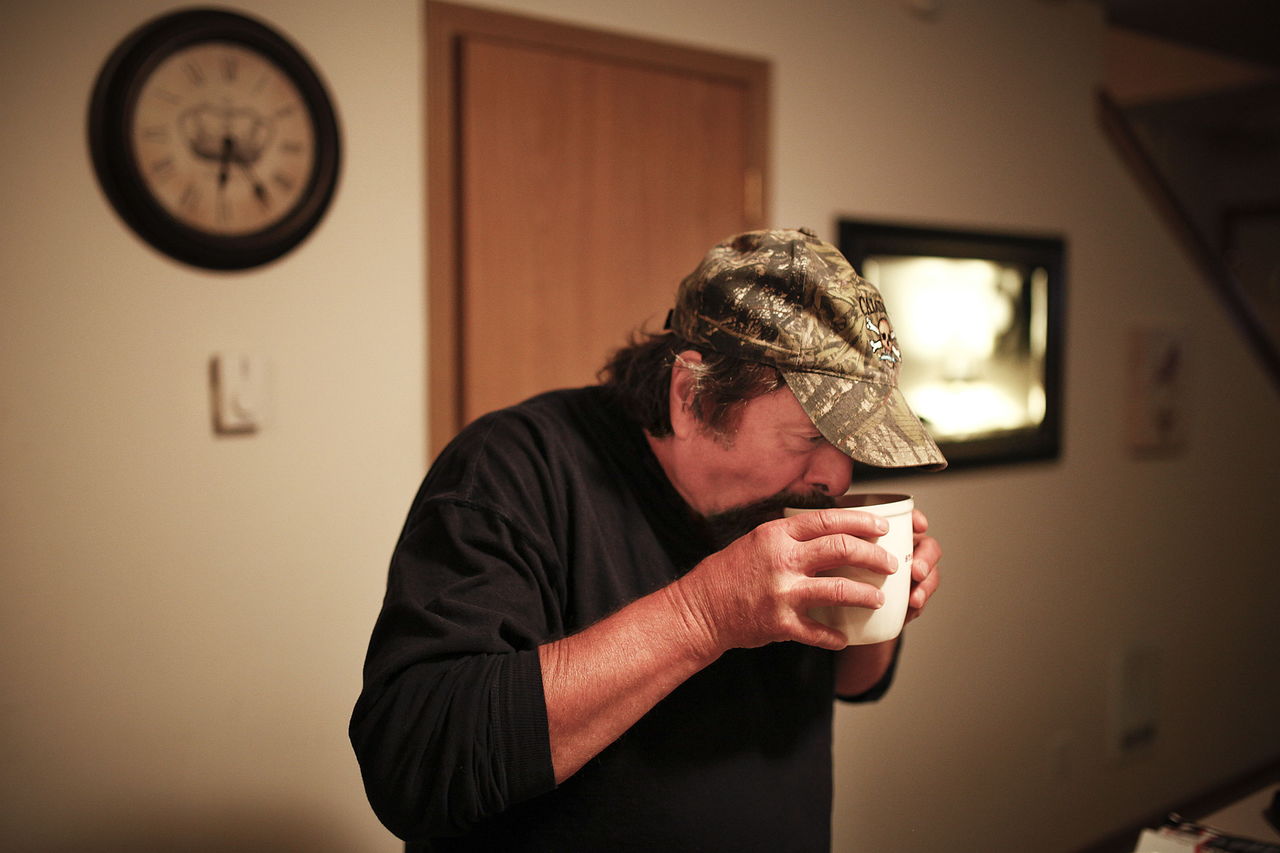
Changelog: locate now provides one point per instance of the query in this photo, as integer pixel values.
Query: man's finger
(840, 592)
(836, 550)
(814, 633)
(824, 522)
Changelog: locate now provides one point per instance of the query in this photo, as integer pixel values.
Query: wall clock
(214, 138)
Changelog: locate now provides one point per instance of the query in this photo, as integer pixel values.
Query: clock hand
(259, 188)
(224, 169)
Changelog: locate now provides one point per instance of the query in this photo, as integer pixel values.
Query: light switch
(239, 392)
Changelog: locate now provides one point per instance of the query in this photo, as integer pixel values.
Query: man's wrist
(689, 614)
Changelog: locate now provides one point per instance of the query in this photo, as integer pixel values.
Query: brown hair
(639, 376)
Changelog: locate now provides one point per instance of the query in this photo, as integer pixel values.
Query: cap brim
(869, 422)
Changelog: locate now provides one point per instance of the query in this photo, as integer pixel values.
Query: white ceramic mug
(860, 625)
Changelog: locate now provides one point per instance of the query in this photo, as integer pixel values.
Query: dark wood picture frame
(861, 240)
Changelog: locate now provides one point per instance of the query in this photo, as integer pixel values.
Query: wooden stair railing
(1220, 276)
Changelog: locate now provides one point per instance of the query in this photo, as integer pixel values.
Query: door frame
(447, 26)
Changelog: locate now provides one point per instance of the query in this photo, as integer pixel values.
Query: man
(595, 634)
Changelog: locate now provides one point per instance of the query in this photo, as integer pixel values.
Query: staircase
(1201, 133)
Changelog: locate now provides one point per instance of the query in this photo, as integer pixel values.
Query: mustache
(812, 500)
(727, 525)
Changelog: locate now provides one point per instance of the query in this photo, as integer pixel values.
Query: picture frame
(979, 319)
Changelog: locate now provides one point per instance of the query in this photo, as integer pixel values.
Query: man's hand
(759, 589)
(599, 681)
(924, 566)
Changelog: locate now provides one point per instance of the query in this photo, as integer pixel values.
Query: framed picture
(979, 320)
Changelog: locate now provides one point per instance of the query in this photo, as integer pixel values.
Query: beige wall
(184, 616)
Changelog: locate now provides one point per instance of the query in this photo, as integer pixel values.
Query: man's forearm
(599, 682)
(859, 668)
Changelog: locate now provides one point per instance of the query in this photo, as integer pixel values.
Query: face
(775, 452)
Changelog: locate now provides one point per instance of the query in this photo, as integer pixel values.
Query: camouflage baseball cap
(788, 299)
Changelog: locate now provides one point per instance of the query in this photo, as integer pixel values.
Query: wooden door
(575, 178)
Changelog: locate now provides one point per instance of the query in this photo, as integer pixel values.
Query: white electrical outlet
(1135, 688)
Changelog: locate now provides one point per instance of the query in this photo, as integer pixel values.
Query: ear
(680, 399)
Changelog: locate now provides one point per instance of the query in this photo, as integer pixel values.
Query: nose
(829, 471)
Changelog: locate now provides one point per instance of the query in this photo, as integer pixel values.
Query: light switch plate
(239, 392)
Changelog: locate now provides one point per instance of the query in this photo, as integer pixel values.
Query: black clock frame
(111, 111)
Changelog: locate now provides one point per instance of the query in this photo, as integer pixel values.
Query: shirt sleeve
(450, 727)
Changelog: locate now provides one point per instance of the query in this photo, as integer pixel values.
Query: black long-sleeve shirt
(534, 523)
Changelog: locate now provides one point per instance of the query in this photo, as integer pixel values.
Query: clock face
(222, 138)
(214, 138)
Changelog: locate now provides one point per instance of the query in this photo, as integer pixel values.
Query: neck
(667, 451)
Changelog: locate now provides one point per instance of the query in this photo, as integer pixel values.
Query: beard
(728, 525)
